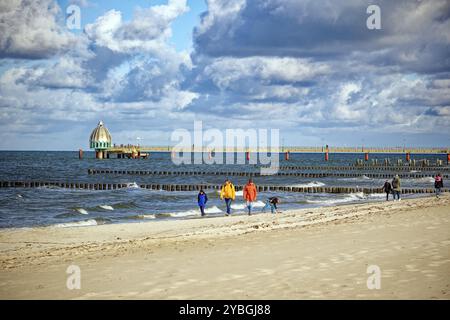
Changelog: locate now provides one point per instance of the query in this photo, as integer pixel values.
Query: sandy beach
(320, 253)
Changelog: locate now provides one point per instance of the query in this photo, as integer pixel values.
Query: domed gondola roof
(100, 134)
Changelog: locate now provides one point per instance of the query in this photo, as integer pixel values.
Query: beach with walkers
(310, 231)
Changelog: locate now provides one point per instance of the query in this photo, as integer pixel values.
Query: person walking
(396, 187)
(387, 187)
(249, 194)
(438, 184)
(228, 192)
(272, 204)
(202, 199)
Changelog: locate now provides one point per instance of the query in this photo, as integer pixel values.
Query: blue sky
(310, 68)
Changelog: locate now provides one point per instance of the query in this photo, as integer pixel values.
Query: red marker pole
(286, 156)
(408, 157)
(80, 154)
(448, 158)
(366, 156)
(326, 155)
(247, 155)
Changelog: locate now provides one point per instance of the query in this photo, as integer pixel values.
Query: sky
(310, 68)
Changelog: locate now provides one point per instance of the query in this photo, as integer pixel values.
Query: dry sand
(302, 254)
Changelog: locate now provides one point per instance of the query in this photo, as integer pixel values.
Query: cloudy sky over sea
(310, 68)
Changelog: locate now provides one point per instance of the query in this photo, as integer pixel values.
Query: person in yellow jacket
(228, 193)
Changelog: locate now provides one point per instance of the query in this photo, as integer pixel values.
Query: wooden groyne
(257, 174)
(366, 168)
(196, 187)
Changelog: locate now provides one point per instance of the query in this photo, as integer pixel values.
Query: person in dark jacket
(396, 187)
(438, 184)
(387, 187)
(202, 199)
(272, 204)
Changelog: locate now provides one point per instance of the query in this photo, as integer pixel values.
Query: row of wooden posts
(365, 167)
(191, 187)
(257, 174)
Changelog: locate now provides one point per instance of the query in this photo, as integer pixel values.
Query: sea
(59, 207)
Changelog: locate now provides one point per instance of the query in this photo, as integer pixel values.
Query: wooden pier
(128, 149)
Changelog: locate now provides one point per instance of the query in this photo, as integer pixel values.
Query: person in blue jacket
(202, 199)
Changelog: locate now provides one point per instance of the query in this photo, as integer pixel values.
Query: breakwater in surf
(190, 187)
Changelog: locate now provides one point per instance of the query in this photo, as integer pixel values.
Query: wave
(309, 184)
(213, 209)
(241, 206)
(81, 211)
(133, 185)
(139, 217)
(424, 180)
(125, 205)
(362, 177)
(348, 198)
(193, 212)
(106, 207)
(82, 223)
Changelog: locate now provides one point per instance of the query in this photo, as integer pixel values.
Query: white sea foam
(81, 210)
(213, 209)
(133, 185)
(241, 206)
(348, 198)
(84, 223)
(309, 184)
(195, 212)
(106, 207)
(425, 180)
(146, 216)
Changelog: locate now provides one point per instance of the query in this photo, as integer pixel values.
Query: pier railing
(281, 149)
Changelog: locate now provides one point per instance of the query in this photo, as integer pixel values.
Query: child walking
(202, 199)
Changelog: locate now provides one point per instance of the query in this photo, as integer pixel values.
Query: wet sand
(320, 253)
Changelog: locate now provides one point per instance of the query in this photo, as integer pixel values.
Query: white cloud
(29, 29)
(148, 31)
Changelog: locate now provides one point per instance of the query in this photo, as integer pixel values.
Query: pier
(101, 141)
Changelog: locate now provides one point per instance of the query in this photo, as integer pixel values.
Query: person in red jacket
(250, 194)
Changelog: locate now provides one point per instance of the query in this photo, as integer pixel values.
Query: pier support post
(98, 154)
(80, 154)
